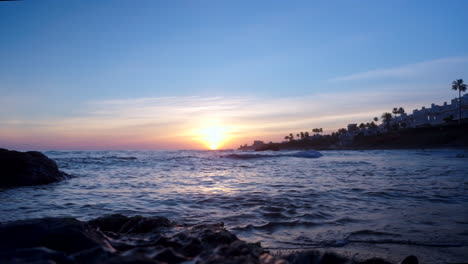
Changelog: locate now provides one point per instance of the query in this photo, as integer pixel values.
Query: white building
(435, 115)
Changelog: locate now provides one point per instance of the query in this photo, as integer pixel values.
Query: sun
(213, 137)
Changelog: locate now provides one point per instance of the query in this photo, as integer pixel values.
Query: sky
(122, 74)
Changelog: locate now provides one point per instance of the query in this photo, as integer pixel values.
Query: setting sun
(213, 137)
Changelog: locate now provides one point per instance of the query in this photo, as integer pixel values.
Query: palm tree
(342, 130)
(376, 119)
(395, 111)
(401, 110)
(386, 118)
(461, 87)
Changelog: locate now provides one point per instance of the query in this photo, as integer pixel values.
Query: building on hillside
(435, 115)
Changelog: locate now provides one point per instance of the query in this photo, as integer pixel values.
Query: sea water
(379, 202)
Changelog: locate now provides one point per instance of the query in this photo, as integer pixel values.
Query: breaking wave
(308, 154)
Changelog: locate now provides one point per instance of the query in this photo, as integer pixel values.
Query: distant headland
(438, 126)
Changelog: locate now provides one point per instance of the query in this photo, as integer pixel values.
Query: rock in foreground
(121, 239)
(27, 168)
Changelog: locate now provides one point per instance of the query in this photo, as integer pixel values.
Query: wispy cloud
(423, 69)
(174, 122)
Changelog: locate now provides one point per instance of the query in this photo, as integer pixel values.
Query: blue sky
(59, 59)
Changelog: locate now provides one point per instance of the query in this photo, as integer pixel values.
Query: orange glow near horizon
(213, 137)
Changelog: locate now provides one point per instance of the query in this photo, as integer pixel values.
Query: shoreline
(435, 137)
(118, 239)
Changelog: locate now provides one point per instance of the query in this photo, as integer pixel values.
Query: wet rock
(170, 256)
(27, 168)
(35, 255)
(315, 257)
(210, 236)
(410, 260)
(121, 239)
(139, 224)
(66, 235)
(94, 255)
(235, 252)
(110, 223)
(374, 261)
(134, 259)
(118, 223)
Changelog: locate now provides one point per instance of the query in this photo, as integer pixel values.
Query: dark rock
(27, 168)
(34, 255)
(211, 235)
(170, 256)
(67, 235)
(315, 257)
(110, 223)
(410, 260)
(139, 224)
(94, 255)
(118, 223)
(235, 252)
(133, 259)
(120, 239)
(374, 261)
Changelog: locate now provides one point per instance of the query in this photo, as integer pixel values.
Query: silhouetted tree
(376, 119)
(398, 111)
(306, 134)
(362, 125)
(291, 137)
(317, 130)
(302, 135)
(401, 110)
(461, 87)
(386, 118)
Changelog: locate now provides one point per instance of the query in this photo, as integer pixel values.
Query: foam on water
(310, 154)
(284, 199)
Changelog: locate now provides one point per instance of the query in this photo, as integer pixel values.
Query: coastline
(121, 239)
(435, 137)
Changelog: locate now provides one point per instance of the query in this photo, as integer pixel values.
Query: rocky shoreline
(137, 239)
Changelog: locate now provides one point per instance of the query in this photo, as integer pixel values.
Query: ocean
(387, 203)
